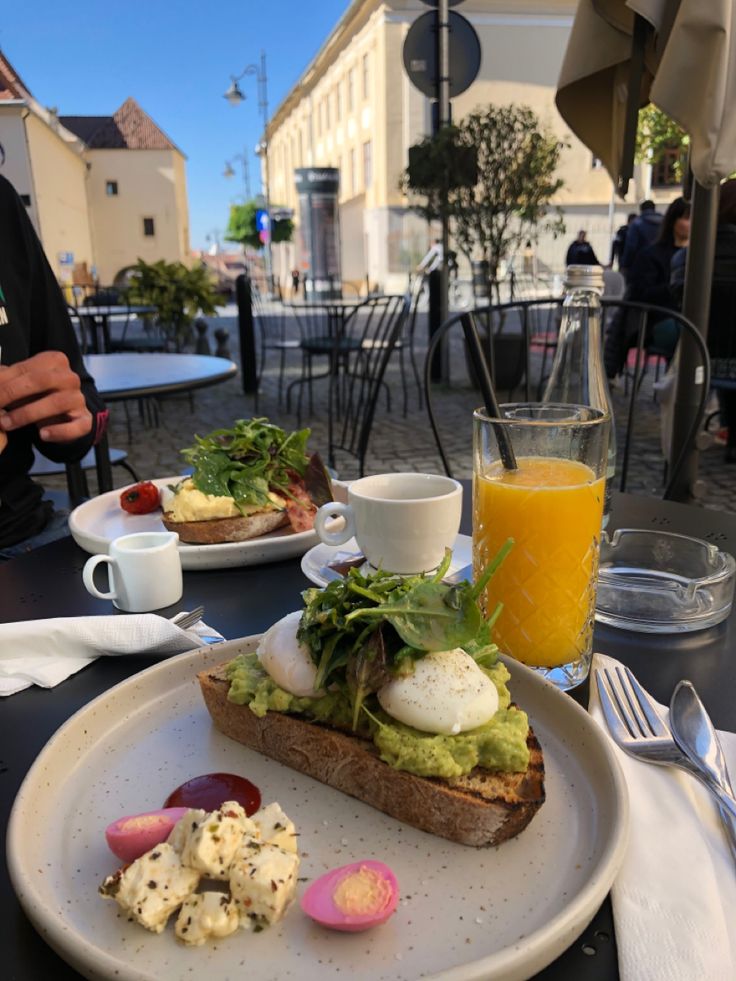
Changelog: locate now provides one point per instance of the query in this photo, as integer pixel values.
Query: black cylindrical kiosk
(319, 232)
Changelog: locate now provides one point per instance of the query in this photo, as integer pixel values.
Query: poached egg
(286, 659)
(446, 694)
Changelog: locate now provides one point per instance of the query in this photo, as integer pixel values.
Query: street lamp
(229, 172)
(235, 96)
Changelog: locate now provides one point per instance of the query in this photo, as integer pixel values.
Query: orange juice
(553, 509)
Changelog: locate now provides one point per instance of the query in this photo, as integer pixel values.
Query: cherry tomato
(140, 498)
(212, 789)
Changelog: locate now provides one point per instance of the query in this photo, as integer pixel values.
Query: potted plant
(179, 294)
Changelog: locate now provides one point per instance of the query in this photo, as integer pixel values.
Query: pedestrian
(295, 276)
(649, 281)
(619, 241)
(581, 252)
(643, 231)
(47, 398)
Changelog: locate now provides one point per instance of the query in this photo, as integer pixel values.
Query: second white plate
(317, 561)
(97, 522)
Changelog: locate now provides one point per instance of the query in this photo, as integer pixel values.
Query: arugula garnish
(248, 461)
(364, 630)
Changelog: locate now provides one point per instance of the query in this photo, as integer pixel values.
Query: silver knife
(696, 736)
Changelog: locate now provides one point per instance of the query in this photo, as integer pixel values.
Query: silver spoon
(695, 735)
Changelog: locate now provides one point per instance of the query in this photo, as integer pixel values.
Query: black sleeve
(51, 330)
(648, 280)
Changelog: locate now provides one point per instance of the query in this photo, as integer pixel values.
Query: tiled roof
(129, 128)
(11, 84)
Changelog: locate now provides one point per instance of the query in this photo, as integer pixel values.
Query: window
(353, 173)
(366, 75)
(148, 227)
(351, 90)
(111, 189)
(327, 112)
(667, 171)
(338, 101)
(367, 163)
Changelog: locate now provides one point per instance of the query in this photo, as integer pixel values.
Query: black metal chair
(324, 334)
(722, 348)
(640, 312)
(272, 326)
(377, 326)
(76, 473)
(407, 342)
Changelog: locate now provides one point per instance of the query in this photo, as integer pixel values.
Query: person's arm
(648, 280)
(51, 390)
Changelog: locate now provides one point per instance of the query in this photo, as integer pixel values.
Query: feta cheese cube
(275, 827)
(209, 848)
(205, 915)
(184, 827)
(263, 879)
(152, 887)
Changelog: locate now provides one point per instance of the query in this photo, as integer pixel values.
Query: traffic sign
(420, 54)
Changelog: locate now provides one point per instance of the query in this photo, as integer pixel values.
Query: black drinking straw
(478, 361)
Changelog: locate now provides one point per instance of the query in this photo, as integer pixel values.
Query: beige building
(102, 191)
(354, 108)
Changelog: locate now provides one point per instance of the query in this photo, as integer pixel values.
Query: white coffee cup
(144, 571)
(403, 522)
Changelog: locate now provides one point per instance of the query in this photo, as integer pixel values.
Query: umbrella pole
(696, 307)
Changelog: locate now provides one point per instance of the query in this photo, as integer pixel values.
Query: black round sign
(420, 54)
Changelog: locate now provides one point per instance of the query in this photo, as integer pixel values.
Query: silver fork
(636, 726)
(186, 620)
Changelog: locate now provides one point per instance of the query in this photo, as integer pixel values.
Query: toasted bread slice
(486, 807)
(214, 531)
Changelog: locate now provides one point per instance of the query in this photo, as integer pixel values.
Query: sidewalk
(397, 443)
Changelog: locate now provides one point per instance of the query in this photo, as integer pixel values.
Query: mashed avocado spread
(499, 744)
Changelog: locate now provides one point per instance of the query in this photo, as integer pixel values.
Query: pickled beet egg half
(130, 837)
(354, 897)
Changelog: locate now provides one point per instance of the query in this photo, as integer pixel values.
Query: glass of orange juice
(552, 508)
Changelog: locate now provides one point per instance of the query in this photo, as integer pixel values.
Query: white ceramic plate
(316, 562)
(465, 913)
(98, 521)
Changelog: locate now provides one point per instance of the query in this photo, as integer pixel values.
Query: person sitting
(47, 398)
(643, 231)
(649, 282)
(581, 252)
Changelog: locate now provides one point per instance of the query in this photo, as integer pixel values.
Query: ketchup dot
(212, 789)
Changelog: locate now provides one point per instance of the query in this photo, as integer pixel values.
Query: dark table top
(243, 601)
(129, 376)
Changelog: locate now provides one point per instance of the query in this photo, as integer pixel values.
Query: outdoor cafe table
(137, 376)
(244, 601)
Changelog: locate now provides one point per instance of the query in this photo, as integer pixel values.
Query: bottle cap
(584, 277)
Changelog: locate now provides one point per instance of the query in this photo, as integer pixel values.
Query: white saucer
(316, 562)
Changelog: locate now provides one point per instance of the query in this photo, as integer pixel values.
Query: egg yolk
(361, 893)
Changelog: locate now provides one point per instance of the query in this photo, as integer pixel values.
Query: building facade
(354, 108)
(101, 191)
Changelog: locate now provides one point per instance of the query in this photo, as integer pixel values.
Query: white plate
(98, 521)
(464, 913)
(316, 562)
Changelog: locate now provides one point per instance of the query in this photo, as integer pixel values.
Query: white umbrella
(678, 54)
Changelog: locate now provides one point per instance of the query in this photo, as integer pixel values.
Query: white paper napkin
(674, 901)
(45, 652)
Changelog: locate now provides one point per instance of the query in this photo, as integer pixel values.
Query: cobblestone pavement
(398, 442)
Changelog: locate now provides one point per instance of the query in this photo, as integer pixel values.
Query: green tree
(178, 293)
(242, 225)
(511, 201)
(656, 134)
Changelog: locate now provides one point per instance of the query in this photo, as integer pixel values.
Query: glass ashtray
(658, 582)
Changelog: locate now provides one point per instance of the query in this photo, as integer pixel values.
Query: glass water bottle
(578, 376)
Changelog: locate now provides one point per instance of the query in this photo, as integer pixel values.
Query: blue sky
(176, 59)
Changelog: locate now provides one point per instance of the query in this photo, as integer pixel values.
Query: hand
(45, 392)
